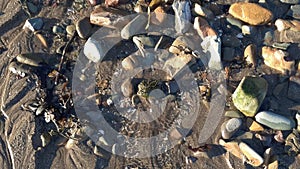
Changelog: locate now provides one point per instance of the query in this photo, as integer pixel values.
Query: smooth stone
(290, 1)
(230, 127)
(145, 41)
(71, 29)
(114, 2)
(253, 157)
(83, 27)
(245, 136)
(136, 26)
(234, 22)
(180, 43)
(127, 88)
(294, 11)
(92, 50)
(250, 54)
(274, 121)
(234, 114)
(230, 41)
(250, 94)
(154, 3)
(250, 13)
(249, 30)
(136, 59)
(294, 89)
(288, 36)
(274, 164)
(229, 2)
(58, 29)
(275, 59)
(100, 152)
(253, 125)
(183, 16)
(107, 17)
(232, 147)
(176, 63)
(34, 24)
(202, 11)
(282, 25)
(228, 54)
(175, 134)
(159, 15)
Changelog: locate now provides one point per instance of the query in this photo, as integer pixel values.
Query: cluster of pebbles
(260, 37)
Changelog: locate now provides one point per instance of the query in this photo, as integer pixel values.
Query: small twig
(149, 18)
(63, 57)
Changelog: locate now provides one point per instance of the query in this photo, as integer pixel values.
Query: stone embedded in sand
(253, 158)
(250, 13)
(83, 27)
(293, 25)
(274, 121)
(250, 94)
(275, 59)
(230, 127)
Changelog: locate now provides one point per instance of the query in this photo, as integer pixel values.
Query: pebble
(274, 121)
(288, 36)
(136, 26)
(183, 15)
(250, 54)
(253, 125)
(115, 2)
(203, 28)
(176, 63)
(127, 88)
(230, 127)
(279, 137)
(249, 30)
(135, 60)
(202, 11)
(92, 50)
(250, 13)
(83, 27)
(250, 94)
(228, 54)
(245, 136)
(32, 8)
(154, 3)
(294, 11)
(232, 147)
(71, 29)
(294, 89)
(234, 21)
(293, 25)
(100, 152)
(282, 46)
(159, 15)
(290, 1)
(233, 114)
(33, 24)
(106, 16)
(175, 134)
(145, 41)
(179, 44)
(58, 29)
(230, 41)
(275, 59)
(253, 158)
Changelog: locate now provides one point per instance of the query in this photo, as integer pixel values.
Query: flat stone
(228, 54)
(136, 59)
(136, 26)
(275, 59)
(33, 24)
(234, 114)
(253, 125)
(158, 16)
(290, 1)
(250, 13)
(176, 63)
(253, 157)
(183, 16)
(294, 11)
(83, 27)
(250, 54)
(232, 147)
(230, 127)
(288, 36)
(250, 94)
(274, 121)
(293, 25)
(202, 11)
(179, 45)
(107, 17)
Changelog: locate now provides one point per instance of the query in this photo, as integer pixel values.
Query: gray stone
(127, 88)
(274, 121)
(234, 114)
(32, 8)
(294, 11)
(250, 94)
(290, 1)
(294, 89)
(183, 15)
(136, 26)
(230, 127)
(228, 54)
(83, 27)
(93, 50)
(288, 36)
(34, 24)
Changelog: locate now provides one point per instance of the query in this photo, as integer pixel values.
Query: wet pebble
(34, 24)
(274, 121)
(135, 26)
(230, 127)
(250, 13)
(275, 59)
(250, 94)
(83, 27)
(253, 157)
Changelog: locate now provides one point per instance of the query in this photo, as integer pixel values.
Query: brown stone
(203, 28)
(253, 125)
(159, 15)
(232, 147)
(114, 2)
(250, 13)
(275, 59)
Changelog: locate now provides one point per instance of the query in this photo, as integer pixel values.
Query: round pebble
(230, 127)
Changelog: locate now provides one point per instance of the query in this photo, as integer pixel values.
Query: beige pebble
(253, 125)
(250, 54)
(252, 156)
